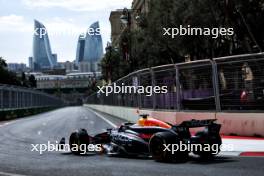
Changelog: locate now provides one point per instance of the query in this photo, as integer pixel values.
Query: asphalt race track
(17, 159)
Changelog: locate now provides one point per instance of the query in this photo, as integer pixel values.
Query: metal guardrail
(13, 97)
(233, 83)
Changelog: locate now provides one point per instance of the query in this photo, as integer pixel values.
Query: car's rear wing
(197, 123)
(209, 124)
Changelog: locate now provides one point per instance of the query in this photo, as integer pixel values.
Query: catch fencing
(234, 83)
(13, 98)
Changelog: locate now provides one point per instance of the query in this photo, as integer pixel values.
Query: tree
(149, 47)
(113, 65)
(7, 77)
(2, 63)
(32, 81)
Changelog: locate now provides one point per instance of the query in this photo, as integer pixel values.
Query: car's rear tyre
(79, 141)
(160, 153)
(214, 142)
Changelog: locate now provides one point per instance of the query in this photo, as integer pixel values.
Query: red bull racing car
(153, 138)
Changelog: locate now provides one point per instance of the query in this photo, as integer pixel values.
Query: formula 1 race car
(152, 137)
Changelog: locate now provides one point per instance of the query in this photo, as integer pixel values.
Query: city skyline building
(116, 26)
(80, 49)
(30, 63)
(90, 49)
(43, 58)
(93, 50)
(16, 67)
(68, 66)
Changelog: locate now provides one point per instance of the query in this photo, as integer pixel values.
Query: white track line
(231, 153)
(10, 174)
(102, 117)
(4, 124)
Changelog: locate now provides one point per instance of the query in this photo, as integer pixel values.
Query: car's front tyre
(79, 141)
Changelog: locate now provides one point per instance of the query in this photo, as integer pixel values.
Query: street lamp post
(108, 59)
(127, 45)
(126, 17)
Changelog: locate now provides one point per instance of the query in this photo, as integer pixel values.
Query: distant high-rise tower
(42, 54)
(80, 49)
(93, 50)
(90, 49)
(30, 63)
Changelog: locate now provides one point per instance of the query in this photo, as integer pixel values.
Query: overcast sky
(64, 20)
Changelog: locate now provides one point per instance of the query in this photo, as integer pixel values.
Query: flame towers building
(80, 49)
(93, 44)
(42, 54)
(90, 49)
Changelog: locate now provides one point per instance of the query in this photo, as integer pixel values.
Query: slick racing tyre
(214, 142)
(157, 148)
(79, 141)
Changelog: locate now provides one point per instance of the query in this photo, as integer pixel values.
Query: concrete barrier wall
(244, 124)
